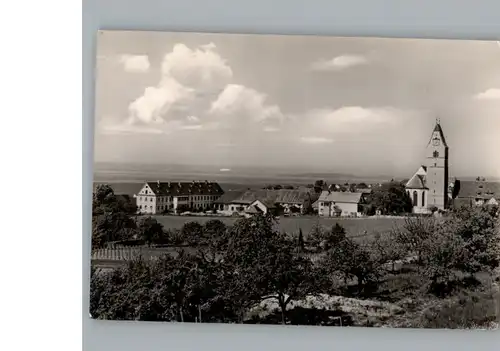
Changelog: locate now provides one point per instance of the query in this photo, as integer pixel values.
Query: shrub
(414, 233)
(322, 239)
(474, 310)
(192, 233)
(150, 230)
(352, 260)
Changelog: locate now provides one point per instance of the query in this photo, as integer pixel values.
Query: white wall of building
(327, 209)
(422, 204)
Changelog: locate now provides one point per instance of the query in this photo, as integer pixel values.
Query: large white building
(159, 197)
(428, 187)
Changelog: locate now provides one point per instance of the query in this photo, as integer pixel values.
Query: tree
(478, 228)
(351, 260)
(111, 220)
(319, 185)
(316, 236)
(193, 233)
(456, 189)
(414, 233)
(214, 234)
(289, 276)
(391, 198)
(150, 230)
(263, 264)
(301, 240)
(387, 249)
(127, 294)
(442, 253)
(111, 226)
(324, 240)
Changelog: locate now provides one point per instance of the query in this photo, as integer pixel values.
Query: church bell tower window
(435, 154)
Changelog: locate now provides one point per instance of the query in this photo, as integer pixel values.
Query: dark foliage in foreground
(233, 269)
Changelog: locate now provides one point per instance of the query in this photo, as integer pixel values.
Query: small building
(231, 202)
(477, 193)
(260, 206)
(339, 204)
(288, 200)
(159, 197)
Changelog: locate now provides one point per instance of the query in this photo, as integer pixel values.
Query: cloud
(135, 63)
(192, 127)
(239, 101)
(157, 101)
(125, 128)
(355, 118)
(187, 77)
(201, 68)
(316, 140)
(490, 94)
(271, 129)
(339, 63)
(193, 119)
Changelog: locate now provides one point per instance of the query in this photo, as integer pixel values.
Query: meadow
(353, 226)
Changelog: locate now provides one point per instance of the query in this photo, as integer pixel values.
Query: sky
(348, 105)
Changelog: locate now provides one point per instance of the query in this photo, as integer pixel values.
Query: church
(428, 188)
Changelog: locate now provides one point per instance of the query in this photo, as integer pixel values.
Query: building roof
(230, 196)
(479, 189)
(342, 197)
(438, 129)
(416, 182)
(282, 196)
(269, 203)
(185, 188)
(253, 210)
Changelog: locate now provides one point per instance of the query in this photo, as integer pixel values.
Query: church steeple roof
(437, 128)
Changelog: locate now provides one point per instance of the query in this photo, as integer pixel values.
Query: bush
(391, 198)
(151, 231)
(322, 239)
(352, 260)
(414, 233)
(192, 233)
(474, 310)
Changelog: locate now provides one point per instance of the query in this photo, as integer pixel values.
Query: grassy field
(353, 226)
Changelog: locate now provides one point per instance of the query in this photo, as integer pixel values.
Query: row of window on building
(165, 207)
(180, 198)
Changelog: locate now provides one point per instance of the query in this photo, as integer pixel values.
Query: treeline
(238, 267)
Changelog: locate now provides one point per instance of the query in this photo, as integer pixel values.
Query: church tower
(437, 169)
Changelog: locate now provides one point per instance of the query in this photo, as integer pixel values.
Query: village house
(159, 197)
(477, 193)
(260, 207)
(339, 204)
(232, 202)
(282, 200)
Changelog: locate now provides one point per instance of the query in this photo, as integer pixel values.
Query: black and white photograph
(296, 180)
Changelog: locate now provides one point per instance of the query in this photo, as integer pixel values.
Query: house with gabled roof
(159, 197)
(339, 204)
(477, 193)
(290, 200)
(260, 207)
